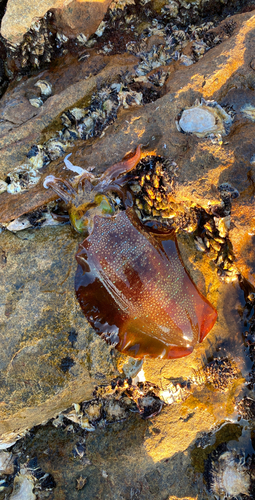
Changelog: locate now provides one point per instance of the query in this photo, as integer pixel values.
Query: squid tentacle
(62, 187)
(78, 170)
(117, 170)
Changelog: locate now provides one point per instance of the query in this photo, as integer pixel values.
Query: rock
(202, 164)
(72, 84)
(42, 371)
(155, 458)
(50, 357)
(72, 17)
(77, 17)
(242, 234)
(19, 17)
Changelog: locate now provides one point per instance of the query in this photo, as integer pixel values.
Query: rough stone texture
(225, 74)
(43, 370)
(242, 231)
(51, 358)
(71, 88)
(80, 17)
(134, 459)
(72, 17)
(39, 303)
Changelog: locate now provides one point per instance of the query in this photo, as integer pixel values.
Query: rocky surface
(54, 368)
(203, 164)
(72, 17)
(47, 359)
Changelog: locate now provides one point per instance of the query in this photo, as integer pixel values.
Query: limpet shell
(198, 121)
(203, 119)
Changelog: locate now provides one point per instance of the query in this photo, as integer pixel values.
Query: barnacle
(45, 87)
(22, 178)
(230, 477)
(249, 111)
(36, 102)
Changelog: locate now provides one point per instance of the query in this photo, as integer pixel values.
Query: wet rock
(40, 327)
(72, 84)
(42, 371)
(72, 17)
(242, 232)
(19, 17)
(80, 17)
(203, 163)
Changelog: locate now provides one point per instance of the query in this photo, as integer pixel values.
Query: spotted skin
(136, 293)
(131, 284)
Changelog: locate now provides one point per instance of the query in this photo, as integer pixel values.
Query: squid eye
(104, 204)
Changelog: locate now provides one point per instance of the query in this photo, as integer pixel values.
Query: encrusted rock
(72, 18)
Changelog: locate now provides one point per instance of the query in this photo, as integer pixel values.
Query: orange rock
(242, 235)
(73, 17)
(80, 16)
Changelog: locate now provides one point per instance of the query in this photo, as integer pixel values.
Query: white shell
(45, 87)
(6, 463)
(82, 39)
(36, 102)
(100, 29)
(24, 223)
(197, 120)
(204, 119)
(23, 488)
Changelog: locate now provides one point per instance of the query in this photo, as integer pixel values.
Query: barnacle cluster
(21, 178)
(20, 481)
(152, 186)
(246, 408)
(168, 48)
(213, 238)
(153, 191)
(78, 123)
(230, 476)
(112, 403)
(139, 25)
(220, 373)
(215, 242)
(26, 175)
(39, 46)
(91, 121)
